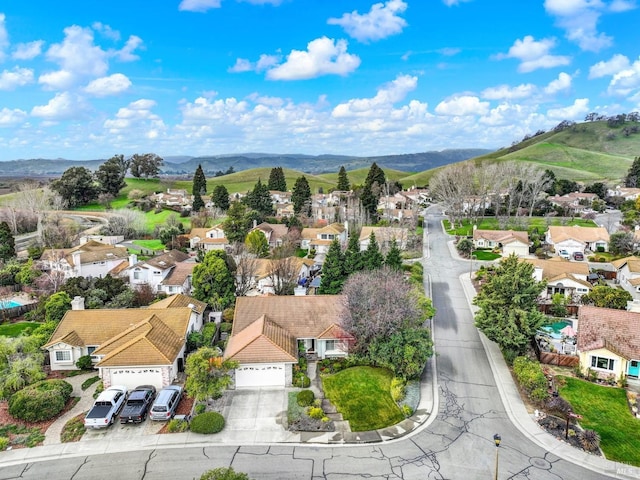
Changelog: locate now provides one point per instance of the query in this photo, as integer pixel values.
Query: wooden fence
(13, 312)
(559, 359)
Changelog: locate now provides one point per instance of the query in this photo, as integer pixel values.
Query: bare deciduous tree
(283, 273)
(246, 269)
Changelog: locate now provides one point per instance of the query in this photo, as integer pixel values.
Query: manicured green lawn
(605, 410)
(15, 329)
(362, 395)
(491, 223)
(149, 244)
(485, 255)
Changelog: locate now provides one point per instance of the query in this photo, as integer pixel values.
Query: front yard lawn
(524, 223)
(485, 255)
(15, 329)
(605, 410)
(149, 244)
(363, 396)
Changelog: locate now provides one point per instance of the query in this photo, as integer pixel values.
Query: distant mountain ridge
(312, 164)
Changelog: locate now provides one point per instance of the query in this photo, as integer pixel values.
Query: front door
(634, 368)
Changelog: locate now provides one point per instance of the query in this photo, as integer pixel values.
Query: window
(136, 274)
(90, 350)
(330, 345)
(602, 363)
(63, 356)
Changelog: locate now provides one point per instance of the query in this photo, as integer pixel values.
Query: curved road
(457, 444)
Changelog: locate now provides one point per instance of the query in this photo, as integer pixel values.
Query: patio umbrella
(568, 331)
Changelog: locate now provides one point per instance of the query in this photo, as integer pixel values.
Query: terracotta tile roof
(335, 228)
(166, 260)
(198, 232)
(278, 230)
(178, 275)
(150, 342)
(558, 266)
(617, 330)
(501, 236)
(581, 234)
(310, 233)
(568, 276)
(262, 341)
(179, 301)
(92, 251)
(633, 264)
(299, 317)
(384, 234)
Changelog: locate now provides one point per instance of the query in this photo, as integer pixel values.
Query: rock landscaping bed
(558, 428)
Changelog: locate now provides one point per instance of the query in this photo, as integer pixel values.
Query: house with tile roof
(509, 242)
(268, 333)
(275, 233)
(206, 239)
(628, 193)
(608, 342)
(577, 239)
(319, 239)
(179, 279)
(562, 276)
(628, 274)
(91, 259)
(384, 237)
(153, 271)
(129, 347)
(265, 273)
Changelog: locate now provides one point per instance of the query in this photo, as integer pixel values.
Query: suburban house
(130, 346)
(173, 198)
(91, 259)
(269, 332)
(628, 274)
(509, 242)
(562, 276)
(320, 238)
(627, 193)
(274, 232)
(266, 272)
(207, 239)
(178, 280)
(384, 237)
(577, 202)
(154, 270)
(577, 239)
(609, 342)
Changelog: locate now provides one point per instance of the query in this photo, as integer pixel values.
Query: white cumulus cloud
(462, 105)
(534, 54)
(12, 118)
(136, 119)
(126, 53)
(560, 84)
(63, 106)
(18, 77)
(626, 81)
(4, 38)
(106, 86)
(198, 5)
(576, 111)
(27, 51)
(609, 67)
(58, 80)
(505, 92)
(382, 21)
(323, 56)
(450, 3)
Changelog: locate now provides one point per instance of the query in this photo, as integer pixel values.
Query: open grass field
(358, 177)
(15, 329)
(149, 244)
(362, 395)
(605, 410)
(524, 223)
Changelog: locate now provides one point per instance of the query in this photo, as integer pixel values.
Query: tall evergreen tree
(198, 203)
(7, 242)
(220, 197)
(333, 274)
(633, 175)
(277, 181)
(301, 196)
(343, 180)
(353, 260)
(259, 199)
(110, 175)
(372, 258)
(235, 226)
(214, 281)
(372, 190)
(393, 260)
(76, 186)
(199, 182)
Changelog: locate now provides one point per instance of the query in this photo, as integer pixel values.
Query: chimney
(300, 291)
(77, 303)
(255, 223)
(133, 259)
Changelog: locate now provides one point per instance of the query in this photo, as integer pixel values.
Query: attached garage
(261, 375)
(133, 377)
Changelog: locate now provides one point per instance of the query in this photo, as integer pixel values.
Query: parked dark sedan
(578, 256)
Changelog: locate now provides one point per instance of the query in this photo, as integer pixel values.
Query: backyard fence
(13, 312)
(559, 359)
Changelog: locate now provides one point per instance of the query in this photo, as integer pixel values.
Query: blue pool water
(9, 304)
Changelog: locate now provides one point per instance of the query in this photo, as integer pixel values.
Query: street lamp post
(496, 440)
(471, 259)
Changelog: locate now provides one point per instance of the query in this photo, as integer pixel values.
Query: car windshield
(159, 409)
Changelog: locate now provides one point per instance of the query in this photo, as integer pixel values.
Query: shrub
(226, 327)
(407, 411)
(397, 389)
(176, 425)
(99, 390)
(315, 413)
(223, 474)
(4, 443)
(40, 401)
(84, 363)
(305, 398)
(590, 440)
(200, 408)
(209, 422)
(300, 380)
(89, 381)
(73, 430)
(529, 374)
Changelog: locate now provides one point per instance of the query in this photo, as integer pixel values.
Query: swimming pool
(554, 328)
(10, 304)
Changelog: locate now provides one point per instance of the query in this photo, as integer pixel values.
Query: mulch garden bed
(184, 408)
(558, 428)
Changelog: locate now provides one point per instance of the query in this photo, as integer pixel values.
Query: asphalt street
(457, 444)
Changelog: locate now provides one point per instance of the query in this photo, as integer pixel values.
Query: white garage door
(260, 375)
(133, 377)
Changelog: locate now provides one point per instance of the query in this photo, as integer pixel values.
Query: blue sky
(86, 80)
